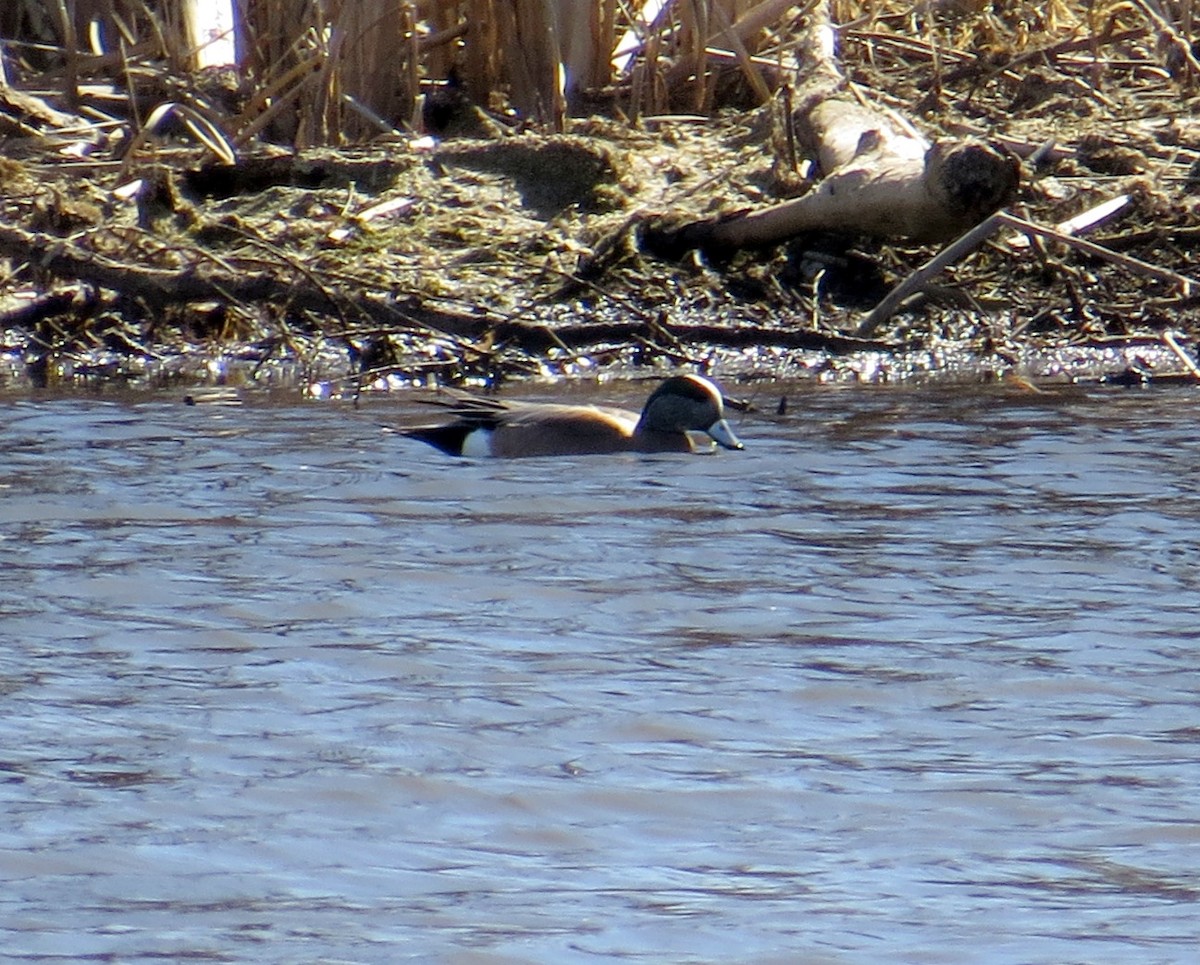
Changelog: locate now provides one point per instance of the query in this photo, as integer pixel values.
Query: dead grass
(346, 71)
(540, 230)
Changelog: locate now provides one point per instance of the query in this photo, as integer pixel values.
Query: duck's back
(561, 430)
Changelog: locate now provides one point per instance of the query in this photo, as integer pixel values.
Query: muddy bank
(511, 254)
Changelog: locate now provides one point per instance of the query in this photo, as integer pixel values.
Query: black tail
(449, 439)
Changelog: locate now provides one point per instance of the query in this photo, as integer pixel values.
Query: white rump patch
(478, 444)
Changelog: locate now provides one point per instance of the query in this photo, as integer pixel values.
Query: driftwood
(24, 115)
(880, 177)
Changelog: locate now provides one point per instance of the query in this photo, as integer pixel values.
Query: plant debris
(411, 259)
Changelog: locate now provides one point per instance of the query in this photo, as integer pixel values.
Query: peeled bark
(935, 197)
(881, 178)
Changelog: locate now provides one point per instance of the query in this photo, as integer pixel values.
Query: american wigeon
(491, 427)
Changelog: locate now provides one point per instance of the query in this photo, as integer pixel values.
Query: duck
(494, 428)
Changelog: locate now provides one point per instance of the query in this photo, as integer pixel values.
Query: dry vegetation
(413, 191)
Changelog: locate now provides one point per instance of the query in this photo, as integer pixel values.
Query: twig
(1173, 344)
(1084, 221)
(1134, 265)
(914, 282)
(984, 230)
(749, 70)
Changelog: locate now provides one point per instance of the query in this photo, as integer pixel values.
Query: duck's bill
(723, 435)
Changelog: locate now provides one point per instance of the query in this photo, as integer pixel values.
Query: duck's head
(688, 403)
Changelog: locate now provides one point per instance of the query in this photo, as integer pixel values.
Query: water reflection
(912, 678)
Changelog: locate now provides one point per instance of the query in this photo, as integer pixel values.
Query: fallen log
(880, 177)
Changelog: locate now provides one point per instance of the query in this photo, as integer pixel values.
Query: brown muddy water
(914, 678)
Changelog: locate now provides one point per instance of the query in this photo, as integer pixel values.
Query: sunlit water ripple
(912, 679)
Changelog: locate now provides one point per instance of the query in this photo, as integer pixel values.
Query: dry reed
(346, 70)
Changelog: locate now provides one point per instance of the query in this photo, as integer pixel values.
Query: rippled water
(914, 678)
